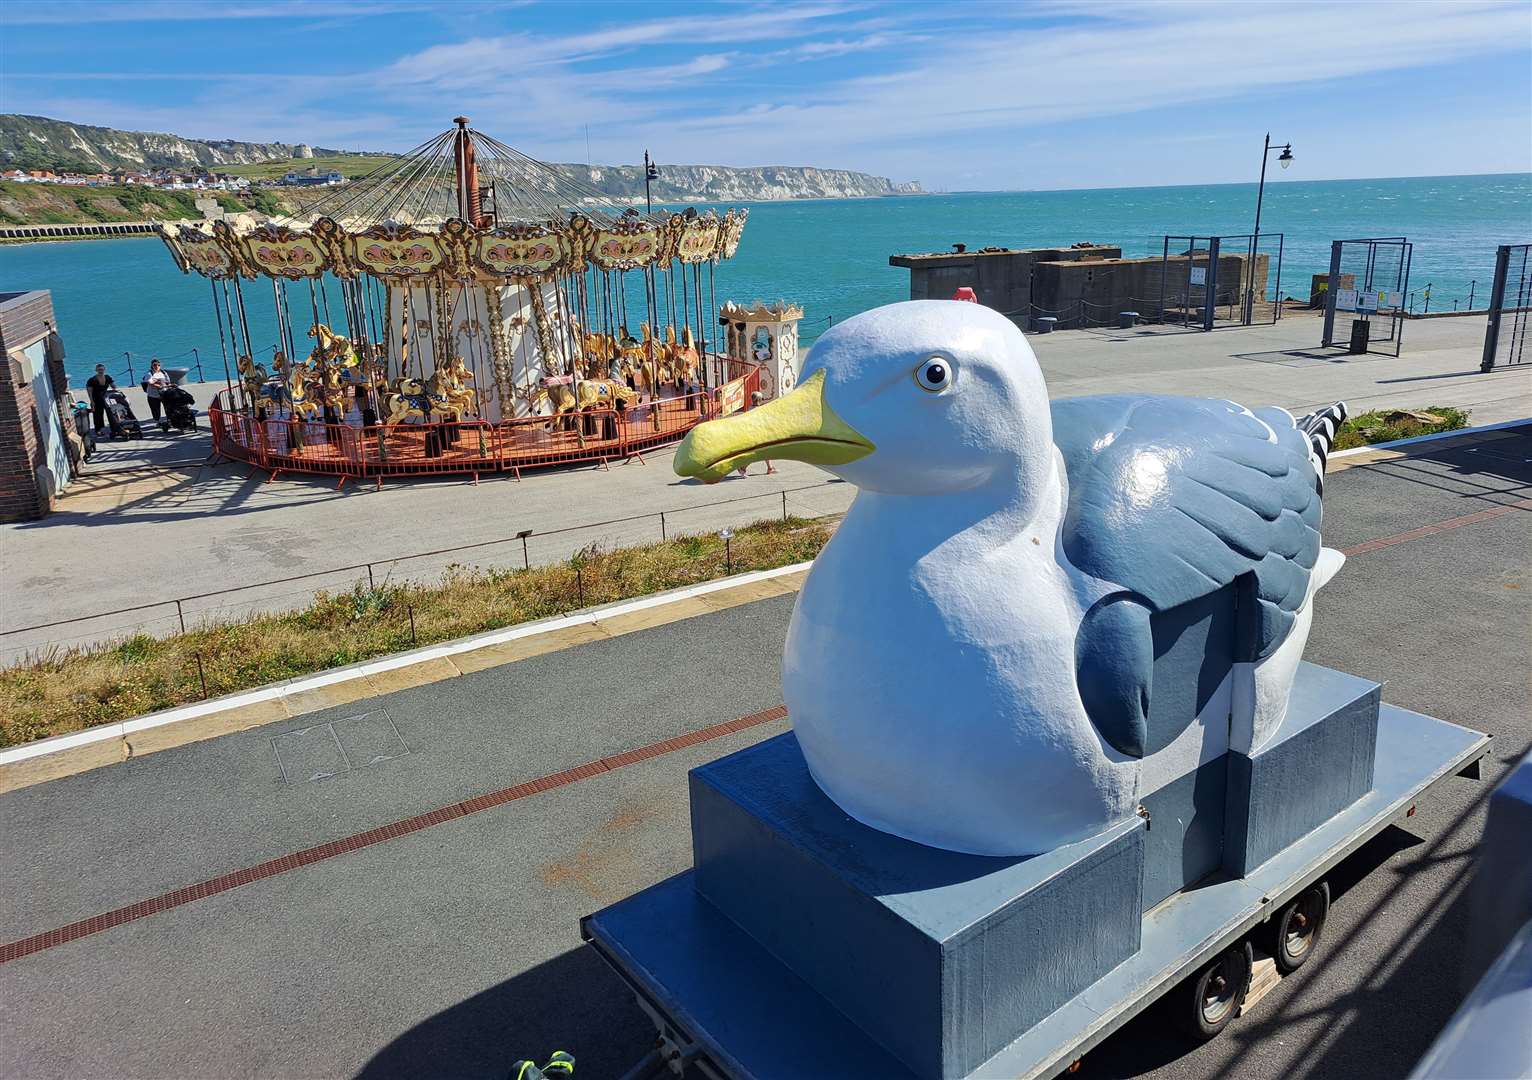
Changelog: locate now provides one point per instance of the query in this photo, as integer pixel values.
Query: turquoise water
(116, 296)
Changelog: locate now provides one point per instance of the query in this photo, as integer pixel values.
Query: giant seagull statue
(972, 661)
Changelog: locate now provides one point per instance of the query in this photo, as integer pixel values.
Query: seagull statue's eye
(935, 374)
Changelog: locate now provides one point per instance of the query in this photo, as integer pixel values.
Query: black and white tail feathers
(1320, 427)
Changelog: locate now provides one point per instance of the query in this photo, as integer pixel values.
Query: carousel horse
(332, 387)
(445, 394)
(410, 402)
(465, 397)
(297, 392)
(592, 394)
(332, 348)
(684, 357)
(252, 375)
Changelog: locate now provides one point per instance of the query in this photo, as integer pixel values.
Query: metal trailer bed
(726, 1007)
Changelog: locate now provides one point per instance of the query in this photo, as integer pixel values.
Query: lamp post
(1284, 159)
(651, 173)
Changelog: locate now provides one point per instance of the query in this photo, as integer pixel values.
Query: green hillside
(350, 166)
(60, 204)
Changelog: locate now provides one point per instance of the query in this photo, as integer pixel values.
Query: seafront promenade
(391, 887)
(149, 522)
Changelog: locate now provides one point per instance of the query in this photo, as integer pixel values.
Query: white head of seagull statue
(972, 660)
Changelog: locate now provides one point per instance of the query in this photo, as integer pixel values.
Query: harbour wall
(31, 233)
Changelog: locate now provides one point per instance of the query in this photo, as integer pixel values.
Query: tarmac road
(453, 949)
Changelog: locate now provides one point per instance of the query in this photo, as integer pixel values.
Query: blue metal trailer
(725, 1006)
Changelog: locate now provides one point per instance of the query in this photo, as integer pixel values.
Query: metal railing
(183, 613)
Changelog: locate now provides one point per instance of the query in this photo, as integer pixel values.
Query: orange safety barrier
(282, 443)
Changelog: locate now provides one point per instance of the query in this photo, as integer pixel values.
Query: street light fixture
(651, 173)
(1284, 159)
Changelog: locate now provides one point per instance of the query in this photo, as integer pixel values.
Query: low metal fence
(523, 550)
(281, 439)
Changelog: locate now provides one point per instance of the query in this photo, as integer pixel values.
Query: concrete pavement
(127, 536)
(454, 949)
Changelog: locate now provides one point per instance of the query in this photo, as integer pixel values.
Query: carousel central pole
(467, 175)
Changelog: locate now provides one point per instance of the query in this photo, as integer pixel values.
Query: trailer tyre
(1293, 935)
(1209, 1000)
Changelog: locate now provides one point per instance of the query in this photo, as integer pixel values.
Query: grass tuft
(61, 691)
(1386, 425)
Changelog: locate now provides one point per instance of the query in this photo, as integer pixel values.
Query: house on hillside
(313, 178)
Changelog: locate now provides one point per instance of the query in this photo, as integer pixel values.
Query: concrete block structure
(1319, 762)
(941, 957)
(34, 404)
(1085, 284)
(1000, 277)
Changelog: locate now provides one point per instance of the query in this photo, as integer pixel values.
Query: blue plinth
(1319, 762)
(942, 958)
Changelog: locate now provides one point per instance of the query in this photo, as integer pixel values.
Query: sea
(122, 301)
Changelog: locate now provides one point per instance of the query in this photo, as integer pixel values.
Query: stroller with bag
(179, 413)
(120, 418)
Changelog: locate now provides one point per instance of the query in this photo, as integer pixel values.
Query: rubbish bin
(1044, 324)
(1360, 328)
(1127, 320)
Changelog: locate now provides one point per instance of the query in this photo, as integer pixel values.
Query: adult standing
(97, 386)
(155, 382)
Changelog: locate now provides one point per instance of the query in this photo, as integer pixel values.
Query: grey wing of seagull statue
(1170, 500)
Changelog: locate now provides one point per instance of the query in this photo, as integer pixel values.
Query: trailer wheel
(1209, 1000)
(1293, 935)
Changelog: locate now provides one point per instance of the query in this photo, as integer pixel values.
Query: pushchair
(179, 413)
(120, 418)
(80, 412)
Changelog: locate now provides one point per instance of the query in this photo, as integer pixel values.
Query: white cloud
(951, 90)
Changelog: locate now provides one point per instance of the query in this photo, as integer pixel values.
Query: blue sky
(960, 96)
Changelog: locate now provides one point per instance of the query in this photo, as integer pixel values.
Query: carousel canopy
(463, 207)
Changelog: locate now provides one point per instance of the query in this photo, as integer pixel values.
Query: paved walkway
(452, 948)
(127, 536)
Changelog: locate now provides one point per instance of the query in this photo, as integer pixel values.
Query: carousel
(464, 308)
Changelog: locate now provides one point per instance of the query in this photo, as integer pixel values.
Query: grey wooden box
(941, 957)
(1319, 762)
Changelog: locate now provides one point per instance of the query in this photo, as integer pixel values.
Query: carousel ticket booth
(767, 335)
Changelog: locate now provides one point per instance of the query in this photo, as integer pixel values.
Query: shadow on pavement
(572, 1002)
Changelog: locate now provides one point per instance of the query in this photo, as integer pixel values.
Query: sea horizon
(125, 295)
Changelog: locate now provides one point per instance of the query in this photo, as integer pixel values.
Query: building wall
(1002, 278)
(26, 492)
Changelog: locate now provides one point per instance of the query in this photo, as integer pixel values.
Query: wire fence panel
(1510, 304)
(1369, 280)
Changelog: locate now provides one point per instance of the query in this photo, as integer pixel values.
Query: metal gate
(1505, 340)
(1369, 279)
(1208, 282)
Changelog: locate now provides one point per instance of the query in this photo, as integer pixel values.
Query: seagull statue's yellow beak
(800, 425)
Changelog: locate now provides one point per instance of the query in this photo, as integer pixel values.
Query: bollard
(1044, 324)
(1127, 320)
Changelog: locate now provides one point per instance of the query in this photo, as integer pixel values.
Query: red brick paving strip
(1437, 527)
(271, 868)
(49, 938)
